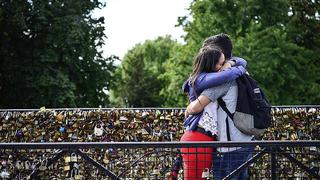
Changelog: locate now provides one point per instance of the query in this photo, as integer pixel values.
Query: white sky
(129, 22)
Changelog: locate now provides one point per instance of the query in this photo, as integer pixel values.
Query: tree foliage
(279, 39)
(140, 82)
(49, 56)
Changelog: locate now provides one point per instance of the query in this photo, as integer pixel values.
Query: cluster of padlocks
(127, 125)
(291, 124)
(80, 126)
(88, 126)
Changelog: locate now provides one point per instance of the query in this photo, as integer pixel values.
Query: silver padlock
(74, 157)
(27, 165)
(98, 130)
(205, 173)
(43, 165)
(19, 165)
(76, 165)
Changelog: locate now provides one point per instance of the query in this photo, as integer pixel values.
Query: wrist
(231, 62)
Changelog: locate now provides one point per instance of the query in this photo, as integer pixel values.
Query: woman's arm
(197, 106)
(212, 78)
(236, 61)
(207, 80)
(239, 61)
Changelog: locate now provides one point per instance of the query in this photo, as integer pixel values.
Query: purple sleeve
(239, 61)
(207, 80)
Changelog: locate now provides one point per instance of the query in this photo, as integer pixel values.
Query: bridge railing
(151, 160)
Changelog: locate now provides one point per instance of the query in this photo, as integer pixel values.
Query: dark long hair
(205, 61)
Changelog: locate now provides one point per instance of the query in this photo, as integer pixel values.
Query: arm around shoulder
(239, 61)
(218, 78)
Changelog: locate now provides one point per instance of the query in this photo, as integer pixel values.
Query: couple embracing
(213, 80)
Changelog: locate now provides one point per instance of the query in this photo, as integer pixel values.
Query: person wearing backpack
(235, 67)
(227, 159)
(197, 161)
(253, 108)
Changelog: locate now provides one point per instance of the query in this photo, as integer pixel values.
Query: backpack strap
(222, 104)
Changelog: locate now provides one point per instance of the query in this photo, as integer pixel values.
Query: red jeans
(196, 160)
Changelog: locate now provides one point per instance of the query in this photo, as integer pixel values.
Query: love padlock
(76, 165)
(205, 173)
(74, 157)
(19, 165)
(67, 159)
(43, 165)
(59, 117)
(66, 168)
(78, 177)
(98, 130)
(27, 165)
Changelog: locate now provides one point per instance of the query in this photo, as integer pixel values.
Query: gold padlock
(59, 117)
(66, 168)
(67, 159)
(78, 177)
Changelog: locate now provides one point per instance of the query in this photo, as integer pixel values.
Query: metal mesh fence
(275, 160)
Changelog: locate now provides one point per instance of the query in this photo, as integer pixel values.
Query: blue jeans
(225, 163)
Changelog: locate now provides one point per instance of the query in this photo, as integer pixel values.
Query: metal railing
(274, 151)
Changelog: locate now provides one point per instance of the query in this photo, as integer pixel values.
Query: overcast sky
(129, 22)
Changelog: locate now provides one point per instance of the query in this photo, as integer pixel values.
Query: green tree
(178, 67)
(283, 69)
(140, 84)
(280, 40)
(49, 55)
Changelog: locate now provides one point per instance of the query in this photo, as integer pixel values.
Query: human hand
(186, 114)
(225, 66)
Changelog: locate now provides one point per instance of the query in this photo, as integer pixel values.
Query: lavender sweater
(208, 80)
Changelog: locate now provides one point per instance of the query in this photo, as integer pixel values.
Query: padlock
(66, 168)
(144, 131)
(59, 117)
(123, 118)
(43, 165)
(144, 114)
(27, 165)
(74, 157)
(76, 165)
(19, 165)
(205, 173)
(67, 159)
(77, 177)
(98, 130)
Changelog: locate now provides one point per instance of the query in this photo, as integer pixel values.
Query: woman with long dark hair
(209, 61)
